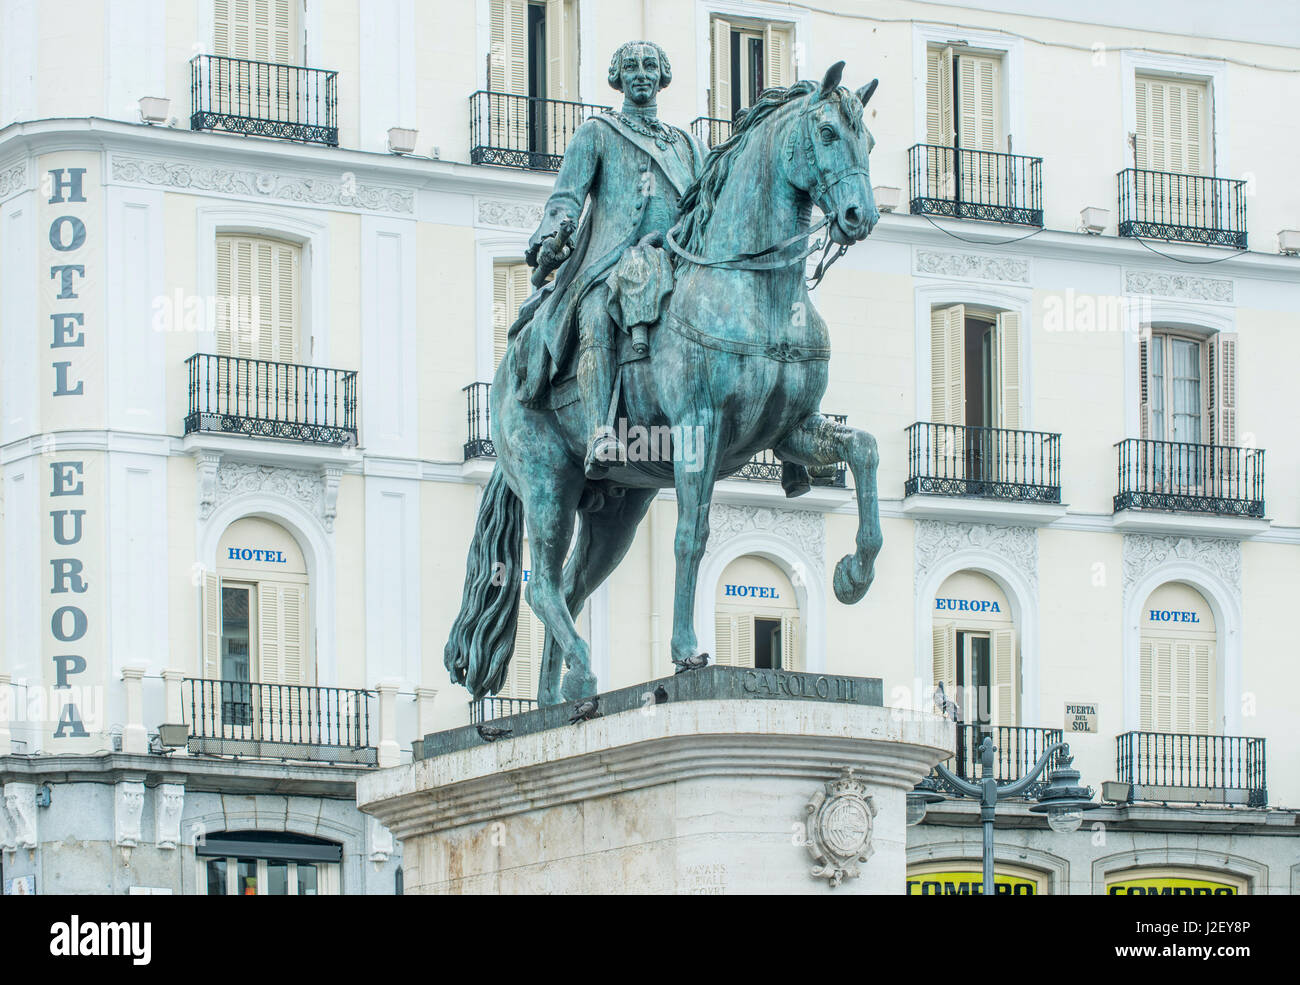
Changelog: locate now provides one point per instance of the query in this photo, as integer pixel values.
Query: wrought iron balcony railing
(523, 131)
(1187, 208)
(710, 131)
(763, 466)
(264, 99)
(1016, 750)
(492, 707)
(1179, 477)
(1180, 767)
(975, 184)
(279, 721)
(991, 463)
(263, 399)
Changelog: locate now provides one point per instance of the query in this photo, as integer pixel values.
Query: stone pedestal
(695, 795)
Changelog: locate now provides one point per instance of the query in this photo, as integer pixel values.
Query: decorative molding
(169, 804)
(13, 178)
(1186, 286)
(20, 809)
(347, 192)
(316, 492)
(381, 841)
(514, 215)
(973, 266)
(801, 527)
(936, 540)
(128, 809)
(206, 464)
(1143, 553)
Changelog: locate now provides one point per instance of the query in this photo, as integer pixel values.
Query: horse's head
(830, 158)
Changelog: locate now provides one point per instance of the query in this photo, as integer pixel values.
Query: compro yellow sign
(953, 882)
(1171, 884)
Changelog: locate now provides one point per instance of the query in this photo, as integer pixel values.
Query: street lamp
(1063, 800)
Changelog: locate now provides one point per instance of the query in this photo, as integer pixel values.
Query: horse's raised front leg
(820, 441)
(694, 480)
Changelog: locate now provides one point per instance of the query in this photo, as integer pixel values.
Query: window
(254, 863)
(756, 621)
(1173, 132)
(260, 30)
(747, 57)
(963, 110)
(1176, 670)
(511, 287)
(1188, 387)
(534, 57)
(974, 650)
(975, 385)
(255, 615)
(259, 284)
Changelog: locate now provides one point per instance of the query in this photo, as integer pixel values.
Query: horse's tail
(482, 638)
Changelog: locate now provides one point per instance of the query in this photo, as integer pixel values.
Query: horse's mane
(696, 207)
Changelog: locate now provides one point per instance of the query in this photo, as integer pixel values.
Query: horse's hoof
(849, 582)
(578, 685)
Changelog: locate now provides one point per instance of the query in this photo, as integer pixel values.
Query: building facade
(257, 259)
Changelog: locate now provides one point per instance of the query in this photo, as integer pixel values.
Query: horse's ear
(832, 80)
(864, 94)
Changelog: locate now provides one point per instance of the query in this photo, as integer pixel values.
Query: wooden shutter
(211, 626)
(261, 30)
(1202, 712)
(724, 639)
(526, 662)
(1176, 685)
(1003, 647)
(720, 88)
(790, 643)
(561, 49)
(281, 632)
(940, 124)
(1008, 370)
(777, 47)
(1221, 388)
(947, 361)
(979, 107)
(508, 63)
(743, 651)
(510, 289)
(1171, 125)
(263, 277)
(945, 658)
(1144, 388)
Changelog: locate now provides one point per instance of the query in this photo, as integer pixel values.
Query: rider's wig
(615, 63)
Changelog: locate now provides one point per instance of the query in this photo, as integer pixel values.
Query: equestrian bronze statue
(677, 306)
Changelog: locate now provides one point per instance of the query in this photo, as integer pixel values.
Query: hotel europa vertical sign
(70, 317)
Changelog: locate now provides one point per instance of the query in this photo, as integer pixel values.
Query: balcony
(264, 99)
(523, 131)
(279, 721)
(491, 708)
(1185, 208)
(1174, 476)
(973, 184)
(262, 399)
(710, 131)
(1183, 768)
(1015, 751)
(989, 463)
(763, 467)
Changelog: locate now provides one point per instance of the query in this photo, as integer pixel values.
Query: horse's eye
(828, 133)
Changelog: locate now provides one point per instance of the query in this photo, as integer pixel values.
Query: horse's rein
(753, 261)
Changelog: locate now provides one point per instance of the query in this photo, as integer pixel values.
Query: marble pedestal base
(706, 796)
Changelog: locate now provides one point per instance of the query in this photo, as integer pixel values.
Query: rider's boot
(795, 479)
(596, 384)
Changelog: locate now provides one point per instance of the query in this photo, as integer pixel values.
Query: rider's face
(639, 73)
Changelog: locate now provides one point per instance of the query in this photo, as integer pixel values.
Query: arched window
(256, 627)
(757, 617)
(975, 650)
(1177, 662)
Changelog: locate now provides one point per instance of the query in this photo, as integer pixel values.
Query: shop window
(966, 878)
(1177, 663)
(747, 56)
(974, 650)
(1173, 882)
(756, 620)
(253, 863)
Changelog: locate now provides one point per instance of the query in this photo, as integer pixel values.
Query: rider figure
(634, 169)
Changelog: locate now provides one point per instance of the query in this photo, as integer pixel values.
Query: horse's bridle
(820, 192)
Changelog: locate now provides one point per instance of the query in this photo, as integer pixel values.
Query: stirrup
(603, 450)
